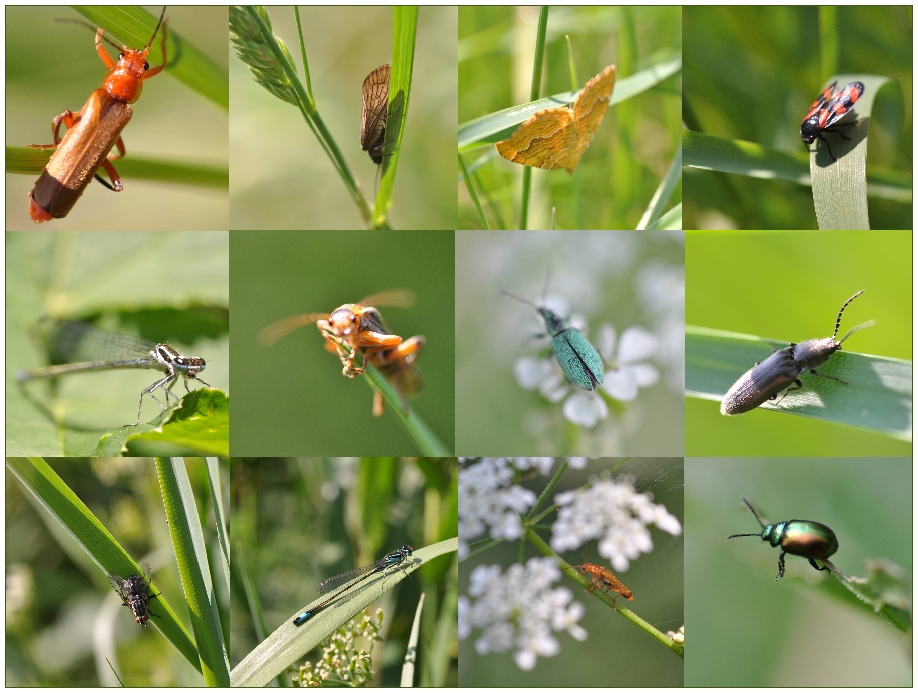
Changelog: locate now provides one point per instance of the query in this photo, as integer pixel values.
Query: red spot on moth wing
(851, 93)
(824, 98)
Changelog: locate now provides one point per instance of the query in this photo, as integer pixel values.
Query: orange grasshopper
(358, 328)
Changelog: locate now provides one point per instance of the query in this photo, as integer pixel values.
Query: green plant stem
(537, 61)
(311, 114)
(414, 425)
(626, 613)
(466, 177)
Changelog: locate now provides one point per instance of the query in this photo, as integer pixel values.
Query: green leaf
(187, 536)
(289, 643)
(73, 515)
(878, 397)
(199, 428)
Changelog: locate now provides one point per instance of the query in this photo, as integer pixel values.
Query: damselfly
(135, 593)
(354, 577)
(78, 346)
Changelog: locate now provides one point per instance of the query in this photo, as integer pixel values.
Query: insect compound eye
(352, 318)
(121, 56)
(146, 66)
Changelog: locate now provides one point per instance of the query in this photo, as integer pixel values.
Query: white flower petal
(554, 386)
(645, 375)
(637, 344)
(530, 371)
(584, 409)
(605, 341)
(621, 384)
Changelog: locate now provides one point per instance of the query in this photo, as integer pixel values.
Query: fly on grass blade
(375, 110)
(135, 593)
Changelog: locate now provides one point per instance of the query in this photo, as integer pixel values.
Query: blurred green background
(633, 147)
(293, 397)
(615, 654)
(624, 278)
(295, 522)
(282, 178)
(757, 86)
(165, 287)
(805, 629)
(62, 616)
(789, 285)
(52, 66)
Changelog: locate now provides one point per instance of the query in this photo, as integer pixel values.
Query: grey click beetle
(780, 370)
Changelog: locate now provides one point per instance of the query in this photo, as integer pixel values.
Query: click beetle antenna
(842, 310)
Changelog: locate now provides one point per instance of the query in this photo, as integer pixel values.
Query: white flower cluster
(488, 500)
(616, 514)
(519, 610)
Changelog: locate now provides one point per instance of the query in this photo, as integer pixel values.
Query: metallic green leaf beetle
(805, 538)
(578, 358)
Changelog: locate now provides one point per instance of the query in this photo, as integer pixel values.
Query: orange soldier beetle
(92, 132)
(358, 328)
(603, 577)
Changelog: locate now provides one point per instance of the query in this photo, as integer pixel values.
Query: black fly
(135, 593)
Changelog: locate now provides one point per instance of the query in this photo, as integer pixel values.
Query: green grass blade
(133, 27)
(877, 399)
(439, 654)
(80, 523)
(216, 500)
(411, 656)
(28, 160)
(404, 34)
(289, 643)
(663, 193)
(671, 220)
(470, 186)
(840, 187)
(256, 611)
(191, 556)
(753, 160)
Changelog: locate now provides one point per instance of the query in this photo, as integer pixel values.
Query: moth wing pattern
(375, 110)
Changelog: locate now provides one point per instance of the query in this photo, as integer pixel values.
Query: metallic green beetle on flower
(578, 358)
(805, 538)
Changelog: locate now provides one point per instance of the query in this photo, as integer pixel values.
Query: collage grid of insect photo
(642, 351)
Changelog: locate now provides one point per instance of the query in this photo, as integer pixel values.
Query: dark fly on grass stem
(136, 593)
